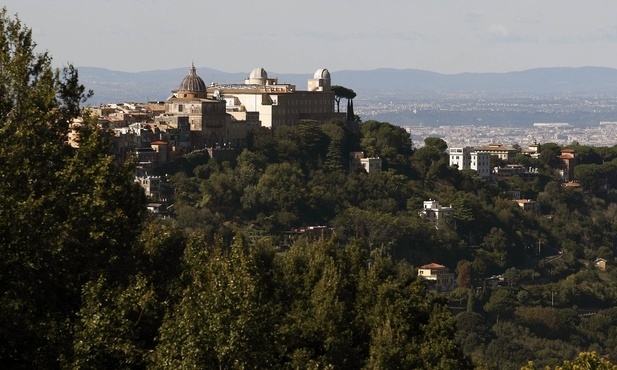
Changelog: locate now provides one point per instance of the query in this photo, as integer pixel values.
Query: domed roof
(192, 82)
(259, 73)
(322, 74)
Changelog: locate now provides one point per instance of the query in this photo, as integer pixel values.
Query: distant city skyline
(301, 36)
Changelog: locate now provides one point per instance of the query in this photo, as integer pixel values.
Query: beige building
(600, 263)
(503, 152)
(208, 120)
(569, 158)
(276, 103)
(438, 276)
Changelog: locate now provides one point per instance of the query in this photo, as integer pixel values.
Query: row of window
(197, 109)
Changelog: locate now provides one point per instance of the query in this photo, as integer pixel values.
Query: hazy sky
(301, 36)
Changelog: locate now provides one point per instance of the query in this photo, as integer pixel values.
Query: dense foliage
(89, 280)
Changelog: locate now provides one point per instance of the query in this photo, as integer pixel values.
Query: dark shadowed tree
(436, 142)
(69, 216)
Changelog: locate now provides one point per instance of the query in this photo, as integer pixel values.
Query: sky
(301, 36)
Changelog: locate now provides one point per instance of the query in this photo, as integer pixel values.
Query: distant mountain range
(113, 86)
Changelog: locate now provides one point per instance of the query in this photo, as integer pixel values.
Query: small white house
(435, 212)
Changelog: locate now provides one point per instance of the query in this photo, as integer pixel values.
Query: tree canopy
(341, 92)
(286, 257)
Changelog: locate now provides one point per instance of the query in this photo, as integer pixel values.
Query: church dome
(192, 82)
(322, 74)
(259, 73)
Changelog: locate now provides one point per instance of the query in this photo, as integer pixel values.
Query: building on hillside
(533, 151)
(208, 120)
(569, 158)
(311, 232)
(130, 138)
(357, 160)
(503, 152)
(572, 185)
(439, 277)
(509, 170)
(150, 184)
(468, 158)
(147, 161)
(600, 263)
(176, 131)
(435, 212)
(279, 103)
(223, 154)
(528, 204)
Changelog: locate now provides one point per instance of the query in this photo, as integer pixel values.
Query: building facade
(357, 160)
(569, 158)
(279, 104)
(438, 276)
(468, 158)
(503, 152)
(209, 123)
(436, 213)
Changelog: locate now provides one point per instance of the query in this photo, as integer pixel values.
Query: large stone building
(276, 103)
(218, 117)
(210, 125)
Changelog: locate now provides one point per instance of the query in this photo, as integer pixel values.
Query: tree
(549, 156)
(317, 325)
(473, 332)
(408, 329)
(342, 92)
(69, 217)
(496, 161)
(280, 194)
(585, 360)
(389, 142)
(465, 274)
(496, 241)
(224, 318)
(425, 158)
(501, 303)
(590, 176)
(341, 142)
(512, 276)
(436, 142)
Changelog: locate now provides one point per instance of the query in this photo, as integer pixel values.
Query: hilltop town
(216, 117)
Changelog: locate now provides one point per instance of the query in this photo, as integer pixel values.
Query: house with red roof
(438, 277)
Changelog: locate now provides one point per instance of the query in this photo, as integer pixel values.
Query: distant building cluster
(478, 159)
(216, 117)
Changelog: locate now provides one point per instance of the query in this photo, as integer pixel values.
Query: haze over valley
(500, 107)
